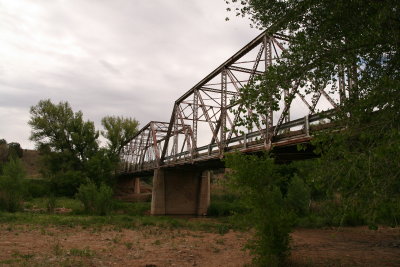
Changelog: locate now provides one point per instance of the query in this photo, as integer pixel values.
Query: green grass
(122, 221)
(124, 216)
(61, 202)
(225, 205)
(86, 252)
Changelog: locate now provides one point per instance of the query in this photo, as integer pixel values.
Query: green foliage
(37, 187)
(133, 209)
(11, 185)
(225, 205)
(69, 145)
(66, 142)
(8, 151)
(67, 183)
(258, 181)
(366, 173)
(100, 168)
(118, 131)
(96, 200)
(15, 150)
(298, 196)
(62, 130)
(356, 179)
(51, 203)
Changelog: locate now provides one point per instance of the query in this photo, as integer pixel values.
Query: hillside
(31, 163)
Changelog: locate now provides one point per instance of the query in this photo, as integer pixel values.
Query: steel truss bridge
(203, 120)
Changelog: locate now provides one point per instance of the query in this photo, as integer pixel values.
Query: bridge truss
(203, 122)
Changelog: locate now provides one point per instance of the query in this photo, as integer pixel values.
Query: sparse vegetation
(11, 186)
(95, 200)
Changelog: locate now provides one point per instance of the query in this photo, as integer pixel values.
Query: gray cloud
(130, 58)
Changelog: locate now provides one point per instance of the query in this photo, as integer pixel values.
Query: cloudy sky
(108, 57)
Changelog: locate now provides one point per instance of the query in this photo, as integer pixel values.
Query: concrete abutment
(180, 192)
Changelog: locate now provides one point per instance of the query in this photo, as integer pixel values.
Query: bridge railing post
(307, 125)
(245, 140)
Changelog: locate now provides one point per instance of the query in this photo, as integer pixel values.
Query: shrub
(11, 186)
(298, 196)
(51, 203)
(67, 183)
(95, 200)
(225, 205)
(258, 180)
(37, 187)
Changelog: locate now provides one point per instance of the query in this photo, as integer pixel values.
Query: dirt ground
(152, 246)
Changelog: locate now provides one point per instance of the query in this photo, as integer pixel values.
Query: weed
(116, 239)
(57, 249)
(17, 254)
(157, 242)
(128, 245)
(9, 262)
(223, 229)
(51, 204)
(86, 252)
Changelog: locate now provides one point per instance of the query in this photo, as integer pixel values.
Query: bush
(298, 196)
(95, 200)
(225, 205)
(258, 180)
(51, 203)
(37, 187)
(11, 186)
(67, 183)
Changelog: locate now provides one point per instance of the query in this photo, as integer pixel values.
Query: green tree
(11, 185)
(58, 128)
(119, 131)
(15, 150)
(69, 145)
(359, 40)
(96, 200)
(261, 185)
(66, 141)
(3, 153)
(327, 38)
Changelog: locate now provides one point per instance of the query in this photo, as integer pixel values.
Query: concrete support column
(203, 200)
(136, 186)
(158, 194)
(180, 192)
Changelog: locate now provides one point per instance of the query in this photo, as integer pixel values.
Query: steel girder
(203, 122)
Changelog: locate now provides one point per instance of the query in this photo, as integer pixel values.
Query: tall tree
(119, 131)
(67, 144)
(361, 38)
(360, 41)
(57, 127)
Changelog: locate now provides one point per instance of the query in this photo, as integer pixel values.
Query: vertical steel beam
(342, 85)
(269, 115)
(176, 134)
(223, 111)
(195, 116)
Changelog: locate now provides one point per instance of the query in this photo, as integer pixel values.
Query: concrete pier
(180, 192)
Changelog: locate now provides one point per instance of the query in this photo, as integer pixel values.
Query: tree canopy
(57, 127)
(118, 131)
(70, 146)
(360, 38)
(359, 41)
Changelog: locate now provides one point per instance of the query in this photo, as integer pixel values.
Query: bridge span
(204, 126)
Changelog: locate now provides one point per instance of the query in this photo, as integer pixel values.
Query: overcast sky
(108, 57)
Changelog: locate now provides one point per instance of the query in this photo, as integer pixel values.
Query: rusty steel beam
(209, 105)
